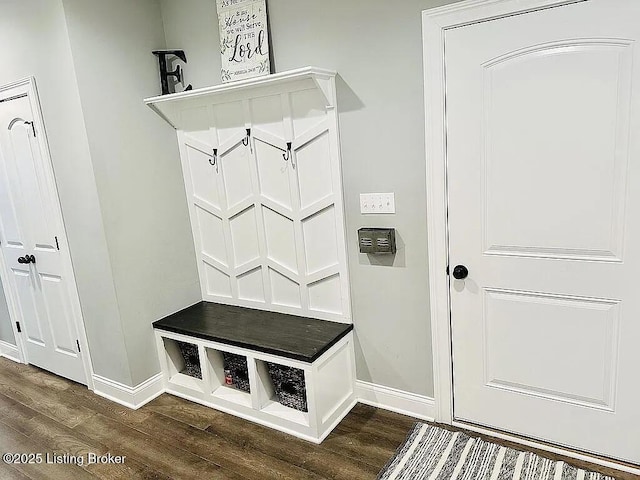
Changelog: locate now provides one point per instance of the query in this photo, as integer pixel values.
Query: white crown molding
(10, 351)
(131, 397)
(394, 400)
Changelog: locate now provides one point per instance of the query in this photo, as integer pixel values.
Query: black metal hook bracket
(287, 155)
(214, 159)
(245, 140)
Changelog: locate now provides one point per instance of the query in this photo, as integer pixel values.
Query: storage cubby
(289, 385)
(311, 384)
(271, 394)
(231, 386)
(183, 361)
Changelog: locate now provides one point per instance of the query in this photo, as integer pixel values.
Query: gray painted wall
(34, 41)
(376, 47)
(6, 329)
(116, 166)
(136, 165)
(117, 231)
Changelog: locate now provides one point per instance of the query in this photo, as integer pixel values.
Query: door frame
(435, 22)
(28, 84)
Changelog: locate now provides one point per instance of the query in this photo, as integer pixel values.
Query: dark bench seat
(299, 338)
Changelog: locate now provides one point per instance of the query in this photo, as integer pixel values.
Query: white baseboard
(387, 398)
(10, 351)
(132, 397)
(398, 401)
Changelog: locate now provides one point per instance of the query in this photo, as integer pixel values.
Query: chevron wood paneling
(265, 196)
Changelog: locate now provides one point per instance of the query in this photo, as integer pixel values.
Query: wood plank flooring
(171, 438)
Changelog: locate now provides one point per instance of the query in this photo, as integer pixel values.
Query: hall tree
(126, 174)
(126, 210)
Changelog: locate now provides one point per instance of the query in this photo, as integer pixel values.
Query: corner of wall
(136, 168)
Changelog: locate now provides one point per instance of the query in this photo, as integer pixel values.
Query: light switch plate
(376, 203)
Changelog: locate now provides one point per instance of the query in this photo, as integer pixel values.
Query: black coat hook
(214, 160)
(245, 141)
(287, 155)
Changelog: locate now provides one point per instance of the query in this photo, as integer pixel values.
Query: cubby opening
(282, 391)
(183, 360)
(229, 376)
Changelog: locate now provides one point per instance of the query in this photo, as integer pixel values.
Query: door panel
(572, 79)
(13, 233)
(25, 156)
(57, 313)
(581, 375)
(26, 291)
(545, 213)
(41, 289)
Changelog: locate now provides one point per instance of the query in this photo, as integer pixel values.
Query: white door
(30, 239)
(543, 159)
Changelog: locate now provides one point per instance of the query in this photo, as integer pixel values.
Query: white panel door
(543, 160)
(30, 245)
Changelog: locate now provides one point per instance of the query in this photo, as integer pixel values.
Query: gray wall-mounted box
(377, 240)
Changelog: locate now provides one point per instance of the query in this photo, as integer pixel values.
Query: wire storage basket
(289, 385)
(191, 358)
(236, 372)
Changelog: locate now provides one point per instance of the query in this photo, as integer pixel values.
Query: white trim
(394, 400)
(12, 352)
(474, 11)
(132, 397)
(434, 24)
(610, 463)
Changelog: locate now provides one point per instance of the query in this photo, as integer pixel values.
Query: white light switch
(377, 203)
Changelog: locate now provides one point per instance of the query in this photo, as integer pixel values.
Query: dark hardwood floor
(171, 438)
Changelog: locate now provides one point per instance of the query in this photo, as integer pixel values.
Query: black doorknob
(460, 272)
(30, 258)
(22, 260)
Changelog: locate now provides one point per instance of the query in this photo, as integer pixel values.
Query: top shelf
(170, 106)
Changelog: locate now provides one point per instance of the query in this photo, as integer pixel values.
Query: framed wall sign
(244, 39)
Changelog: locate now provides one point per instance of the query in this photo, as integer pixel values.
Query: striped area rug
(432, 453)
